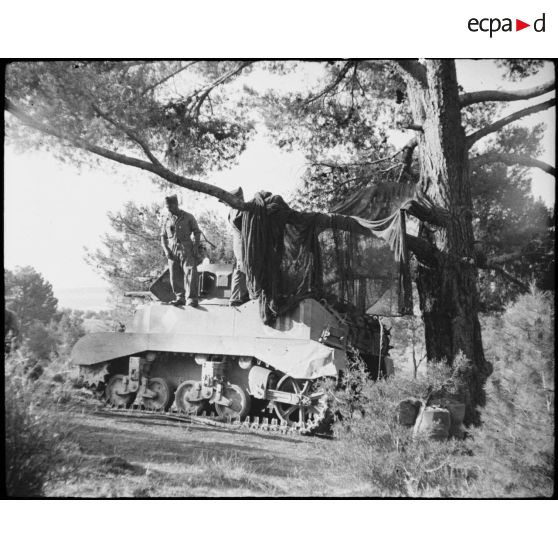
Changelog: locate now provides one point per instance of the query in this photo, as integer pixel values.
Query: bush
(510, 455)
(383, 453)
(48, 341)
(40, 341)
(515, 445)
(37, 437)
(69, 329)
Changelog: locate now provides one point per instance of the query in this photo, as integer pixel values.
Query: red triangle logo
(519, 25)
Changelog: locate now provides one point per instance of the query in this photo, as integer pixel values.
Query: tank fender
(257, 381)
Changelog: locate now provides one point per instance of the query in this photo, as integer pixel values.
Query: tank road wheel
(313, 408)
(240, 403)
(112, 389)
(163, 395)
(183, 404)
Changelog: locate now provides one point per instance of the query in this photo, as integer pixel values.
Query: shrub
(40, 341)
(515, 445)
(376, 448)
(69, 329)
(510, 455)
(37, 437)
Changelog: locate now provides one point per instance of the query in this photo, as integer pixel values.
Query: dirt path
(131, 457)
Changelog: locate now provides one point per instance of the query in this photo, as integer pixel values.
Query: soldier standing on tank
(181, 252)
(239, 291)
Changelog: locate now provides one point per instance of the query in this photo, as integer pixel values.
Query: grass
(510, 455)
(226, 475)
(385, 457)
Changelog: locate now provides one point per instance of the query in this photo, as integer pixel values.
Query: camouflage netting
(354, 264)
(377, 201)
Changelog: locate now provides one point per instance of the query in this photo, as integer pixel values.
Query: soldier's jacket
(176, 233)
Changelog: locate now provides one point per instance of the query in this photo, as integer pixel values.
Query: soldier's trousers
(239, 291)
(184, 279)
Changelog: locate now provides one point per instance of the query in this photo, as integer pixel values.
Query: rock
(435, 422)
(457, 414)
(407, 411)
(456, 409)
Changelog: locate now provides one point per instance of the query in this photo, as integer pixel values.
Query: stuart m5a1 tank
(223, 359)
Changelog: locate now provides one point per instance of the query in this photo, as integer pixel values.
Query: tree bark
(494, 95)
(448, 291)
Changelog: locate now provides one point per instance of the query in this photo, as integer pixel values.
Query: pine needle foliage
(515, 444)
(37, 437)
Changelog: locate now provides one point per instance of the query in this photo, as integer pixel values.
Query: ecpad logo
(494, 24)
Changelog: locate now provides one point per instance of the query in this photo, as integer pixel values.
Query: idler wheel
(113, 390)
(162, 399)
(312, 405)
(240, 403)
(183, 404)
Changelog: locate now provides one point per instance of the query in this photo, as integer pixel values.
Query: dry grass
(511, 455)
(222, 476)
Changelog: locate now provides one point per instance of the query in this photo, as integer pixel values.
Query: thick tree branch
(429, 255)
(493, 263)
(427, 212)
(159, 170)
(511, 159)
(426, 253)
(507, 275)
(407, 150)
(129, 132)
(32, 122)
(502, 258)
(467, 99)
(495, 126)
(324, 220)
(413, 68)
(413, 126)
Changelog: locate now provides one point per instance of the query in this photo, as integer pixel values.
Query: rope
(381, 344)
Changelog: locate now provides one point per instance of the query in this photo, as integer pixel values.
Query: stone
(434, 422)
(407, 411)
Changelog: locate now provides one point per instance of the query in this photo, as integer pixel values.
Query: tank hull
(223, 358)
(298, 358)
(216, 329)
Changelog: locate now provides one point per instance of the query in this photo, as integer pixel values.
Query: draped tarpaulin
(356, 265)
(377, 201)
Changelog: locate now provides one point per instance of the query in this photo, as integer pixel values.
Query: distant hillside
(83, 298)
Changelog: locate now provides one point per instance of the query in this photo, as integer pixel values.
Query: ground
(119, 456)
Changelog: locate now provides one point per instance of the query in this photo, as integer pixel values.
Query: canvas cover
(355, 264)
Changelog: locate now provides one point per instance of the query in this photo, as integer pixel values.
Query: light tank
(224, 359)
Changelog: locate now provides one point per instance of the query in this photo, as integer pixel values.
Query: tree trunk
(448, 292)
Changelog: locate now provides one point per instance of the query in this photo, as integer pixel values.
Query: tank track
(317, 426)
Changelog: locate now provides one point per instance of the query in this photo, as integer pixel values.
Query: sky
(52, 210)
